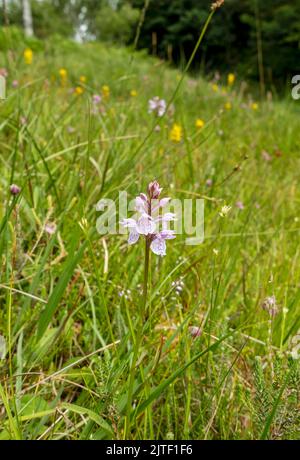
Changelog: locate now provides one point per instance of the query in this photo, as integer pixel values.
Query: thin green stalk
(131, 383)
(9, 333)
(137, 342)
(106, 312)
(141, 145)
(146, 276)
(188, 398)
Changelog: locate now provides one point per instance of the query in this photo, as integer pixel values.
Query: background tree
(258, 39)
(27, 18)
(231, 41)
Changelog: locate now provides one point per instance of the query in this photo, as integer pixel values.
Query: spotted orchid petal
(157, 105)
(163, 202)
(161, 108)
(160, 204)
(158, 246)
(141, 205)
(145, 225)
(167, 234)
(131, 223)
(133, 236)
(152, 104)
(168, 216)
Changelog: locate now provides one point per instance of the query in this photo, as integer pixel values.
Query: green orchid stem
(137, 342)
(146, 276)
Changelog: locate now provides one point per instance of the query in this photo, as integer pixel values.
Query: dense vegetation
(214, 349)
(244, 32)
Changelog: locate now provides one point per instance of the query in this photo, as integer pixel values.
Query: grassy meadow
(81, 360)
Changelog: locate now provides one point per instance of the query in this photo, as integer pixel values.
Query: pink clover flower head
(50, 228)
(240, 205)
(96, 99)
(195, 331)
(15, 189)
(270, 305)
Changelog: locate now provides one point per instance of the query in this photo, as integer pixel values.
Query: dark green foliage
(232, 39)
(170, 29)
(49, 17)
(268, 388)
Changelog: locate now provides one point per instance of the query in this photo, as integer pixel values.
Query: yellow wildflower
(215, 87)
(254, 106)
(105, 91)
(62, 73)
(228, 105)
(199, 123)
(82, 79)
(63, 76)
(230, 79)
(133, 93)
(28, 56)
(176, 133)
(78, 90)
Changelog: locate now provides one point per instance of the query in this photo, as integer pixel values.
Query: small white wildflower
(50, 228)
(270, 305)
(178, 286)
(195, 331)
(224, 211)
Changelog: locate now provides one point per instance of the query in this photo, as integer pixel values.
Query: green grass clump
(70, 297)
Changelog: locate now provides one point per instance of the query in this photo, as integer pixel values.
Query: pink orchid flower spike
(149, 225)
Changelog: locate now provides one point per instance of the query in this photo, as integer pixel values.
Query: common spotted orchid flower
(157, 106)
(150, 222)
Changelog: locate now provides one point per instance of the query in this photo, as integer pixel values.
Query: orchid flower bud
(154, 190)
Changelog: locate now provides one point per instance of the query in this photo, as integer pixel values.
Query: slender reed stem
(149, 134)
